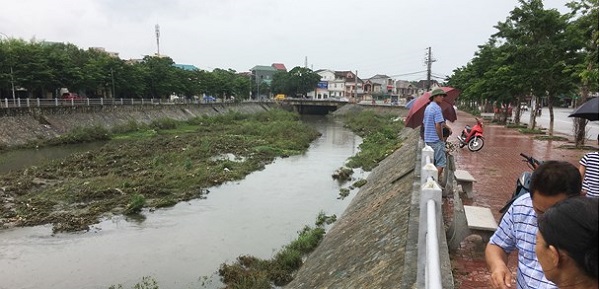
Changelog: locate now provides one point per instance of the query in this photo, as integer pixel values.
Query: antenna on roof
(157, 31)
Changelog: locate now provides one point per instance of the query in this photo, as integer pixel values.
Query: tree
(539, 44)
(160, 76)
(301, 80)
(583, 31)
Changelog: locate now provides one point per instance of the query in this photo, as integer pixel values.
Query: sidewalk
(496, 168)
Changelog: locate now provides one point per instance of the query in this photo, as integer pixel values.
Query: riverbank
(31, 126)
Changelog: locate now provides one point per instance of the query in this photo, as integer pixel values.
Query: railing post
(428, 171)
(427, 151)
(6, 102)
(56, 101)
(101, 101)
(38, 102)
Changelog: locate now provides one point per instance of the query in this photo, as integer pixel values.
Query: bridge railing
(47, 102)
(430, 224)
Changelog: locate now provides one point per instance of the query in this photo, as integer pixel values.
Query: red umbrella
(415, 115)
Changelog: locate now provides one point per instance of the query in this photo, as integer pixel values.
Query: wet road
(563, 124)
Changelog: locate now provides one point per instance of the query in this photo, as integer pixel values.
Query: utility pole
(428, 61)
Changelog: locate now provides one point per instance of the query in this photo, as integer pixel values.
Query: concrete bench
(487, 115)
(470, 220)
(465, 180)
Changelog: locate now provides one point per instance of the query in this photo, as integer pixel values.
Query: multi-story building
(337, 84)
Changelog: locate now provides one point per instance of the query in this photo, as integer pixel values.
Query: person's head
(437, 95)
(552, 182)
(567, 239)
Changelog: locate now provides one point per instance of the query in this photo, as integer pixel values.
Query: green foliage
(251, 272)
(130, 126)
(164, 123)
(136, 203)
(359, 183)
(298, 81)
(323, 219)
(81, 135)
(536, 53)
(380, 137)
(43, 68)
(344, 192)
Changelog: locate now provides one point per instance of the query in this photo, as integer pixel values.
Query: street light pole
(12, 77)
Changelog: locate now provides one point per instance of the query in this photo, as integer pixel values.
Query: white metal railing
(430, 221)
(48, 102)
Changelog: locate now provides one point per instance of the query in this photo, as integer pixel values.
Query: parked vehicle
(472, 137)
(71, 96)
(208, 98)
(280, 96)
(522, 186)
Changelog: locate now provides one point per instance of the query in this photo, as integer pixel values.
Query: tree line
(38, 69)
(538, 55)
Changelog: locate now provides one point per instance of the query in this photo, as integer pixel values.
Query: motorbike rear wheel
(475, 144)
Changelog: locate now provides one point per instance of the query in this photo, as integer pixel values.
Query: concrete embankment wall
(20, 126)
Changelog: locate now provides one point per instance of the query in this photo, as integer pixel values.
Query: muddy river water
(183, 246)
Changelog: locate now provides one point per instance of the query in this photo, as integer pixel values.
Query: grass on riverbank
(253, 272)
(380, 137)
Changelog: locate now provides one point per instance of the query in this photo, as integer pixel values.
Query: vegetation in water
(253, 272)
(153, 165)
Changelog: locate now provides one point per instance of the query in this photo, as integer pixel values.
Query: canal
(183, 246)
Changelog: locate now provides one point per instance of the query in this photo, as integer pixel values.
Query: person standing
(588, 167)
(567, 243)
(551, 182)
(433, 125)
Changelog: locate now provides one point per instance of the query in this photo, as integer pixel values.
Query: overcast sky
(372, 37)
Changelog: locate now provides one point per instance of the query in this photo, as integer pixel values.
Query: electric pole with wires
(428, 61)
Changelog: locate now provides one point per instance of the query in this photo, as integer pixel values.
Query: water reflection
(180, 245)
(20, 159)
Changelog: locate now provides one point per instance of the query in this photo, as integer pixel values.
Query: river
(183, 246)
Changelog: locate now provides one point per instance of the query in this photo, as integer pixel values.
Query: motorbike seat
(468, 128)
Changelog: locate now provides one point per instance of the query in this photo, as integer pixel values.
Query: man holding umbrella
(433, 128)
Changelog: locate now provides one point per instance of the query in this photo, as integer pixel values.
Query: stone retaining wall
(20, 126)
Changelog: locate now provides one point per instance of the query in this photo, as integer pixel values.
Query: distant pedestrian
(567, 243)
(433, 126)
(588, 168)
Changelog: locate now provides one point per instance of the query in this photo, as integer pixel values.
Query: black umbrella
(588, 110)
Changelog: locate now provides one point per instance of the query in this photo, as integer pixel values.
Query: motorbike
(472, 137)
(523, 181)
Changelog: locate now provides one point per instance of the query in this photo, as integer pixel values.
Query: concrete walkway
(496, 168)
